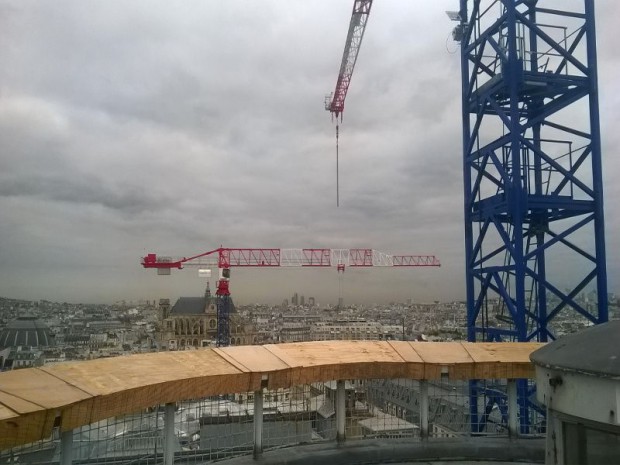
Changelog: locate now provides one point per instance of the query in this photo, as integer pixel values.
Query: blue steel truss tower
(534, 224)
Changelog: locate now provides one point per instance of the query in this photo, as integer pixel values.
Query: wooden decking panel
(502, 353)
(444, 358)
(305, 354)
(6, 412)
(259, 360)
(415, 364)
(405, 351)
(324, 360)
(502, 360)
(41, 388)
(255, 358)
(442, 353)
(19, 404)
(106, 376)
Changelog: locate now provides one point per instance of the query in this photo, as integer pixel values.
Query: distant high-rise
(311, 301)
(302, 300)
(295, 299)
(340, 302)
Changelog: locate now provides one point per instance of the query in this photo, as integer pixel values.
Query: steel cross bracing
(335, 102)
(532, 168)
(308, 257)
(534, 223)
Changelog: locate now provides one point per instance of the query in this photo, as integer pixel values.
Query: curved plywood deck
(72, 394)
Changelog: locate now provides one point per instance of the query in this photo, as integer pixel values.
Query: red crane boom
(334, 103)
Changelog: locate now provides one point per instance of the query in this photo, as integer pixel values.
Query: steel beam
(169, 438)
(533, 193)
(424, 409)
(341, 411)
(258, 423)
(513, 409)
(66, 447)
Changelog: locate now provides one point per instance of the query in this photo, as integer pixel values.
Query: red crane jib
(357, 26)
(248, 257)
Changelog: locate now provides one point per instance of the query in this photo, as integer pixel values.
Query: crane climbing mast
(533, 175)
(534, 221)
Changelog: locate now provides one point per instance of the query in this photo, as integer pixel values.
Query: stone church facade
(192, 322)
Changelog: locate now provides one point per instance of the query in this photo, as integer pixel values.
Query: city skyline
(175, 129)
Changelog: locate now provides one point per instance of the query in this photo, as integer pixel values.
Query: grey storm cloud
(82, 190)
(129, 127)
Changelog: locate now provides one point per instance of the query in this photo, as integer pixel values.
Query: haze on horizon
(174, 128)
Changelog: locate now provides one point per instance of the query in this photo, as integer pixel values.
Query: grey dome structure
(578, 379)
(594, 351)
(26, 331)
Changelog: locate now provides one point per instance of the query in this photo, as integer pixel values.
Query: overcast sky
(129, 127)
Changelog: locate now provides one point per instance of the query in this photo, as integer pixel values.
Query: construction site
(519, 386)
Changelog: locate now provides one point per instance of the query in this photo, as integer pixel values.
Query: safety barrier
(256, 394)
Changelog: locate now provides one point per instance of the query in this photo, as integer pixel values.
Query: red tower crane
(334, 103)
(226, 258)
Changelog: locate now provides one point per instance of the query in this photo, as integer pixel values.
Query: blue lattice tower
(534, 224)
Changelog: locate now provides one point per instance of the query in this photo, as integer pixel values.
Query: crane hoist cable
(337, 176)
(334, 103)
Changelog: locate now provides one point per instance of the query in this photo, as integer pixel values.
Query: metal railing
(202, 430)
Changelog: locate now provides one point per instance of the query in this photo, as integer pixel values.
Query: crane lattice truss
(534, 224)
(334, 103)
(267, 257)
(532, 168)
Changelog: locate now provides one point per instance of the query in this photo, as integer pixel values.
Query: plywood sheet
(414, 363)
(518, 352)
(340, 352)
(502, 360)
(328, 360)
(254, 358)
(105, 376)
(405, 351)
(264, 366)
(6, 412)
(39, 387)
(442, 353)
(19, 404)
(444, 359)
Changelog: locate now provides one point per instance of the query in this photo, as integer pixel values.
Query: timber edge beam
(68, 395)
